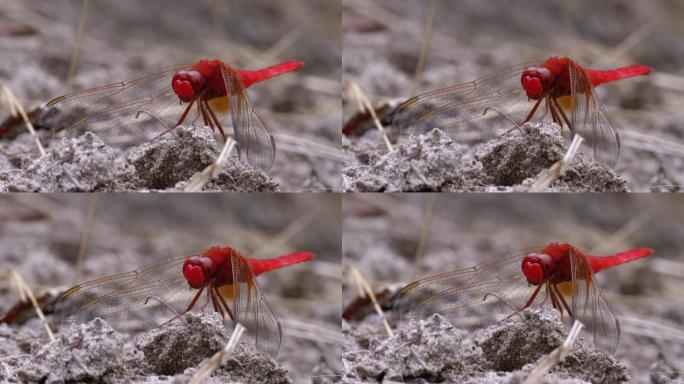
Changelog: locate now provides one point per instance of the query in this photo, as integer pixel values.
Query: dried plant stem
(73, 62)
(556, 355)
(424, 47)
(212, 170)
(14, 102)
(26, 289)
(85, 239)
(559, 167)
(363, 285)
(364, 103)
(424, 233)
(208, 367)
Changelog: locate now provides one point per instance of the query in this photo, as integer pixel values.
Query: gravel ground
(473, 345)
(40, 237)
(473, 39)
(128, 39)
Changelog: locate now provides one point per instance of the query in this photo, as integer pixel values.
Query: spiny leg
(528, 118)
(215, 303)
(180, 119)
(534, 295)
(225, 305)
(562, 300)
(563, 115)
(554, 116)
(216, 120)
(554, 300)
(205, 115)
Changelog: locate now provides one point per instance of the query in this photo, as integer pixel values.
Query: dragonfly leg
(562, 300)
(562, 114)
(531, 300)
(205, 116)
(214, 301)
(180, 120)
(189, 307)
(528, 118)
(225, 305)
(554, 299)
(215, 119)
(554, 115)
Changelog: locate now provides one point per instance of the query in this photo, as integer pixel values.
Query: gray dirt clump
(249, 366)
(83, 353)
(514, 157)
(82, 164)
(426, 349)
(429, 162)
(432, 351)
(511, 345)
(175, 346)
(585, 175)
(163, 162)
(236, 176)
(170, 162)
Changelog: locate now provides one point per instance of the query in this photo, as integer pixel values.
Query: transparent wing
(110, 110)
(449, 108)
(590, 121)
(120, 299)
(255, 140)
(252, 310)
(451, 293)
(590, 307)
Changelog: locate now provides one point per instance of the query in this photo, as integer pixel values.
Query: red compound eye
(187, 84)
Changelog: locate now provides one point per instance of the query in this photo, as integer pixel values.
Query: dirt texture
(484, 341)
(128, 39)
(433, 162)
(41, 235)
(472, 40)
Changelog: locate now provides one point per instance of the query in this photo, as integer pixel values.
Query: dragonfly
(566, 275)
(564, 87)
(225, 278)
(166, 98)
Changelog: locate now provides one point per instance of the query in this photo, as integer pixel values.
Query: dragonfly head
(187, 84)
(198, 270)
(537, 267)
(537, 81)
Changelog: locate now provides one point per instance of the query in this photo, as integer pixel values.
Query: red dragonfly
(565, 273)
(565, 87)
(227, 277)
(166, 98)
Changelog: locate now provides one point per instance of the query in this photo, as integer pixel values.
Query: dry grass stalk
(424, 46)
(556, 355)
(559, 167)
(85, 239)
(212, 170)
(16, 106)
(208, 367)
(73, 62)
(365, 288)
(364, 103)
(26, 289)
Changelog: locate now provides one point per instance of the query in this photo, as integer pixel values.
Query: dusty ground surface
(471, 345)
(40, 238)
(129, 39)
(473, 40)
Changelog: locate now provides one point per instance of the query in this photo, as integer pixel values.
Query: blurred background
(40, 238)
(127, 39)
(473, 39)
(445, 232)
